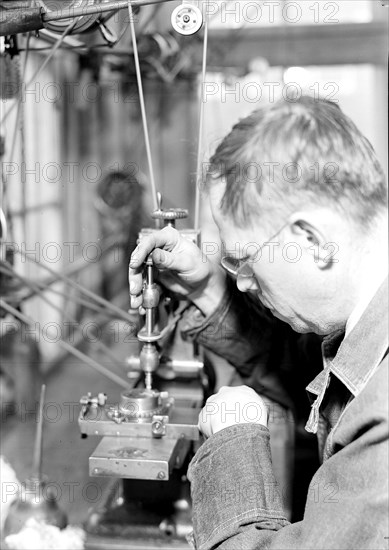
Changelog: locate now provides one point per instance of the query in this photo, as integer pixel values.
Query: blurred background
(80, 120)
(75, 186)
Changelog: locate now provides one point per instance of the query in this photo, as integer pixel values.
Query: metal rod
(80, 265)
(148, 380)
(101, 8)
(68, 318)
(149, 322)
(150, 274)
(201, 126)
(19, 112)
(91, 362)
(37, 469)
(39, 288)
(73, 284)
(21, 109)
(142, 107)
(42, 286)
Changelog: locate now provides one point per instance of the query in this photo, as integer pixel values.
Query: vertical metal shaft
(142, 107)
(149, 354)
(199, 170)
(148, 380)
(149, 283)
(149, 321)
(39, 437)
(150, 274)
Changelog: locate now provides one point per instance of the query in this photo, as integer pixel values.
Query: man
(300, 201)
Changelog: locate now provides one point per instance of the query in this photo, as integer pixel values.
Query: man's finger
(166, 238)
(165, 260)
(135, 281)
(136, 301)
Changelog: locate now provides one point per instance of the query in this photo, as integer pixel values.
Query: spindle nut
(151, 296)
(149, 358)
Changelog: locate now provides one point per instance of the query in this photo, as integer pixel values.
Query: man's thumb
(163, 259)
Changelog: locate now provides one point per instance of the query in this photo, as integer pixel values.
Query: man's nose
(245, 283)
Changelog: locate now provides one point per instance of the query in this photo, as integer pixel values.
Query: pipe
(101, 8)
(16, 20)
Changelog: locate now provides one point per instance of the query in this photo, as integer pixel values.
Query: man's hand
(230, 406)
(183, 269)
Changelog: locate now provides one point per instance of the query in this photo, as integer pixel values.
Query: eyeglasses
(236, 266)
(242, 267)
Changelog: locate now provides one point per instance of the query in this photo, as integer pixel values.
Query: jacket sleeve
(239, 330)
(237, 505)
(268, 356)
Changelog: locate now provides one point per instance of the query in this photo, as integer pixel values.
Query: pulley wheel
(84, 23)
(187, 19)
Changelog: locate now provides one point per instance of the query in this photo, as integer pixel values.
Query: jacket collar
(354, 359)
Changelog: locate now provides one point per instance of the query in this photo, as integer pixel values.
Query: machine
(150, 432)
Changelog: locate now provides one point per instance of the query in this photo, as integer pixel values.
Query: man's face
(283, 275)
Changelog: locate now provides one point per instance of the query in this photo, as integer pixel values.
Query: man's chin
(280, 316)
(297, 324)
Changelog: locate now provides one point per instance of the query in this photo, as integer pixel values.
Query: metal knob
(168, 216)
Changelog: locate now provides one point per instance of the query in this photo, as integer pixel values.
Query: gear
(170, 215)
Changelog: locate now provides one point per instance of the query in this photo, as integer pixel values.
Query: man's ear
(311, 238)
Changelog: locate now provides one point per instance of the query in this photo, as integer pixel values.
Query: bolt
(161, 475)
(157, 426)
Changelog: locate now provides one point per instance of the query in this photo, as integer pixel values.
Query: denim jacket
(236, 502)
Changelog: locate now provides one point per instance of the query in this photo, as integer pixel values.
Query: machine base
(142, 515)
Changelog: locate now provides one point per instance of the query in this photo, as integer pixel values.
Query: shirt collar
(353, 359)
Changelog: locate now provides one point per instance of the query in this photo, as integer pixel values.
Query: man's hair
(292, 153)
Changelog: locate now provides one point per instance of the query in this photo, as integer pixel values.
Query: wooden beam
(298, 45)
